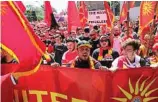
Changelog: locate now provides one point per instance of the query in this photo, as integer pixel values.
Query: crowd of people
(99, 47)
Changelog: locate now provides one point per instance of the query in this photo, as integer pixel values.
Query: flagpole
(155, 15)
(128, 18)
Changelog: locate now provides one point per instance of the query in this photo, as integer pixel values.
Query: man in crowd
(59, 48)
(85, 35)
(116, 39)
(105, 54)
(129, 59)
(66, 36)
(94, 40)
(125, 35)
(84, 60)
(136, 26)
(73, 34)
(71, 54)
(79, 32)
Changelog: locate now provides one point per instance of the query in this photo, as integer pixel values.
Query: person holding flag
(6, 57)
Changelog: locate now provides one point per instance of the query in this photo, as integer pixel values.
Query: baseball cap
(84, 43)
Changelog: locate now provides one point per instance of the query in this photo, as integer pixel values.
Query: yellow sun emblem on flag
(147, 8)
(139, 93)
(3, 9)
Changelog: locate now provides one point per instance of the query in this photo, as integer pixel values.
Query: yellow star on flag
(140, 93)
(147, 8)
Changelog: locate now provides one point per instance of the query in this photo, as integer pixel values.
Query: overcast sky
(59, 5)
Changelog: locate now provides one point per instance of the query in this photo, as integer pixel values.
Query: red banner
(82, 85)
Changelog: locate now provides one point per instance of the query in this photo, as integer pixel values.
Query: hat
(106, 36)
(57, 31)
(57, 35)
(86, 29)
(84, 43)
(79, 28)
(95, 27)
(70, 39)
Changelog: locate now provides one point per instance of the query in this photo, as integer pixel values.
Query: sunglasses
(103, 40)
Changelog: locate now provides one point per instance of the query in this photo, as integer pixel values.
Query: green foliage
(38, 10)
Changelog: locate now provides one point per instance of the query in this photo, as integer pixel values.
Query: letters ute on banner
(78, 85)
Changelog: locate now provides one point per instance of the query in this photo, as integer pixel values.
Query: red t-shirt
(69, 56)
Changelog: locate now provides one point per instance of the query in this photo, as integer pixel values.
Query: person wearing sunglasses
(105, 54)
(85, 35)
(94, 40)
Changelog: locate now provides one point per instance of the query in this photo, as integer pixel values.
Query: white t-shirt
(117, 44)
(127, 63)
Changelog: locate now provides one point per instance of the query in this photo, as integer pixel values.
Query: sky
(59, 5)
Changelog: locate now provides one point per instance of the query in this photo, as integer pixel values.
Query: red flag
(18, 38)
(147, 10)
(47, 12)
(136, 85)
(123, 14)
(73, 16)
(83, 13)
(21, 6)
(131, 4)
(110, 15)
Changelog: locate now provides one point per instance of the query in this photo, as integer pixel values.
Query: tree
(34, 13)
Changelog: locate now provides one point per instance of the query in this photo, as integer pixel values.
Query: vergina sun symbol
(139, 94)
